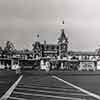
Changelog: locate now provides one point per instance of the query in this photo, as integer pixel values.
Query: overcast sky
(21, 20)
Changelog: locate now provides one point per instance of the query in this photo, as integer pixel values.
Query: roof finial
(38, 36)
(63, 22)
(62, 30)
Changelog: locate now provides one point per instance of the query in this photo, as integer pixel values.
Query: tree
(9, 47)
(98, 51)
(1, 51)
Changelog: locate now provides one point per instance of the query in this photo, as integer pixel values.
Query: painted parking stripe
(51, 88)
(54, 92)
(48, 96)
(3, 82)
(15, 98)
(8, 93)
(81, 89)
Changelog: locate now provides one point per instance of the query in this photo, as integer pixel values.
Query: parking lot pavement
(89, 80)
(45, 87)
(7, 78)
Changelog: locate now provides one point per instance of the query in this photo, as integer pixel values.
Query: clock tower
(63, 44)
(37, 48)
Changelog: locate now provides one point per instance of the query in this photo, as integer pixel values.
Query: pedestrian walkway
(46, 88)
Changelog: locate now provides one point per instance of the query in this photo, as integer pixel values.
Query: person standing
(47, 67)
(18, 69)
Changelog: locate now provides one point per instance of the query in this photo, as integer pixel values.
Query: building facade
(58, 55)
(52, 50)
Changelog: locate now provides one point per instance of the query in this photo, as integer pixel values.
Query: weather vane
(38, 35)
(62, 30)
(63, 22)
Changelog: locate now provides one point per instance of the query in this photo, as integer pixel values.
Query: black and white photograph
(49, 49)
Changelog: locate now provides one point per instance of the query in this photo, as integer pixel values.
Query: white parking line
(8, 93)
(81, 89)
(15, 98)
(51, 88)
(50, 96)
(3, 82)
(54, 92)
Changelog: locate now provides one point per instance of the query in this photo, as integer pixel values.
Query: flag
(63, 22)
(37, 35)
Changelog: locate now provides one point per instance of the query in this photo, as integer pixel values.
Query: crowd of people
(48, 65)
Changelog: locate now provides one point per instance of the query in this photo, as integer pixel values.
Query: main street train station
(57, 54)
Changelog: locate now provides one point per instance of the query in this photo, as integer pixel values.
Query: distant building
(52, 50)
(63, 45)
(58, 54)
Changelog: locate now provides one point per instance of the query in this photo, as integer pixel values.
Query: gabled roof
(22, 52)
(50, 45)
(84, 53)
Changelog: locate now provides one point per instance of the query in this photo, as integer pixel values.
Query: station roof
(22, 52)
(88, 53)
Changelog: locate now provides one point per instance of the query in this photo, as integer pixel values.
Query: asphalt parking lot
(7, 79)
(38, 85)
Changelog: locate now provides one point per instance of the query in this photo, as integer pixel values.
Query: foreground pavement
(37, 85)
(7, 79)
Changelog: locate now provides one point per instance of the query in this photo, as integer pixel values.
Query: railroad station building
(52, 50)
(56, 53)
